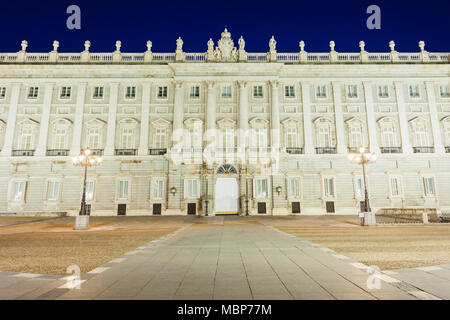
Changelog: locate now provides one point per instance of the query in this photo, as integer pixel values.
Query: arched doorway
(226, 191)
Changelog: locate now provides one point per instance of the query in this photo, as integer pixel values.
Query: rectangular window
(291, 138)
(260, 188)
(158, 189)
(329, 187)
(261, 137)
(60, 138)
(294, 187)
(33, 92)
(2, 92)
(160, 138)
(228, 137)
(257, 91)
(414, 91)
(98, 93)
(428, 183)
(130, 93)
(420, 136)
(321, 92)
(162, 92)
(226, 92)
(359, 187)
(19, 190)
(94, 138)
(443, 90)
(53, 190)
(195, 92)
(26, 139)
(383, 91)
(352, 91)
(324, 137)
(89, 190)
(396, 187)
(355, 137)
(388, 137)
(289, 91)
(123, 189)
(65, 92)
(127, 138)
(195, 137)
(191, 188)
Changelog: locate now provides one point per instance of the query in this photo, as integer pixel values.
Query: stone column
(43, 129)
(243, 116)
(338, 118)
(111, 131)
(406, 145)
(435, 127)
(178, 114)
(11, 122)
(275, 117)
(307, 124)
(78, 122)
(371, 124)
(211, 115)
(145, 110)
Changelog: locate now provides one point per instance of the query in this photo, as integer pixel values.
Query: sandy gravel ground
(388, 247)
(50, 247)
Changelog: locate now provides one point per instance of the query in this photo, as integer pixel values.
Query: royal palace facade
(223, 131)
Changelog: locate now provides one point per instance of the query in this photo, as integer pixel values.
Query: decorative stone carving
(24, 45)
(303, 55)
(116, 54)
(53, 57)
(210, 52)
(394, 54)
(241, 51)
(148, 55)
(85, 53)
(272, 55)
(55, 46)
(179, 55)
(225, 50)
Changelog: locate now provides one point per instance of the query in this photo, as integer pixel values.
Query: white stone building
(274, 128)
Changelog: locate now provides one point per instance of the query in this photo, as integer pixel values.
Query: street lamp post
(85, 159)
(206, 191)
(246, 191)
(363, 157)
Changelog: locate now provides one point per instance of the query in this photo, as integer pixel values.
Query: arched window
(160, 133)
(355, 131)
(226, 169)
(194, 129)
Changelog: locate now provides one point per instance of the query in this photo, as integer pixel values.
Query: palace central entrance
(226, 196)
(227, 191)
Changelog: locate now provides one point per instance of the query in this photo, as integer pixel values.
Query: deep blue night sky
(316, 22)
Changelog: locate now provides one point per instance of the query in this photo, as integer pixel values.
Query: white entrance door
(226, 199)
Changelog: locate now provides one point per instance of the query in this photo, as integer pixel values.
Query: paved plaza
(233, 261)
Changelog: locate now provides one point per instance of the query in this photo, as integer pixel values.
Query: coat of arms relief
(225, 50)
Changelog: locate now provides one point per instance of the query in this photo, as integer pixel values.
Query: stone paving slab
(233, 262)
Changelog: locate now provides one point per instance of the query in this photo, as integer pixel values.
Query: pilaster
(43, 130)
(435, 128)
(78, 122)
(371, 124)
(406, 145)
(145, 110)
(307, 124)
(339, 119)
(111, 131)
(11, 123)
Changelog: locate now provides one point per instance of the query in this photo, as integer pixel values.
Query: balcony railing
(22, 153)
(447, 149)
(259, 149)
(423, 149)
(96, 152)
(125, 152)
(57, 152)
(294, 150)
(157, 152)
(391, 149)
(326, 150)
